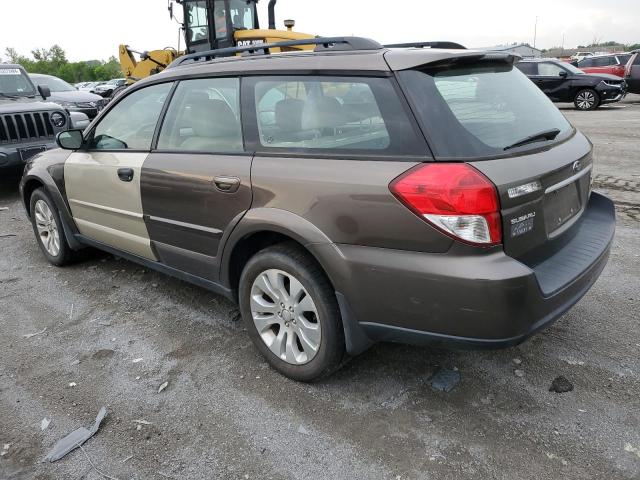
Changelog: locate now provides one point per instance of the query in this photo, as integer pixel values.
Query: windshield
(55, 84)
(480, 110)
(14, 81)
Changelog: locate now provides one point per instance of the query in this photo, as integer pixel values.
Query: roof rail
(322, 44)
(449, 45)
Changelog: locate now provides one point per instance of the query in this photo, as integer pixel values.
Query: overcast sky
(92, 29)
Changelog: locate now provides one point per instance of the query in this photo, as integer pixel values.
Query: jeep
(28, 124)
(343, 196)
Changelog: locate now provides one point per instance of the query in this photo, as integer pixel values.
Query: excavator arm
(149, 63)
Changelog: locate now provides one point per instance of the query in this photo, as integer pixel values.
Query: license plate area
(561, 205)
(27, 153)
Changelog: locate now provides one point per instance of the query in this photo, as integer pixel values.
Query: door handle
(227, 184)
(125, 174)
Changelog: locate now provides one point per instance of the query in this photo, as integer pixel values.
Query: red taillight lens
(455, 198)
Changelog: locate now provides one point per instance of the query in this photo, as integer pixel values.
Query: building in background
(523, 49)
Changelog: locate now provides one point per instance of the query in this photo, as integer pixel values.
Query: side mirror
(563, 74)
(44, 91)
(171, 9)
(70, 140)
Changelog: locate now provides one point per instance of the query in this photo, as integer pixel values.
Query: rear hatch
(483, 111)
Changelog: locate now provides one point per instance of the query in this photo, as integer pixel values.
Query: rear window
(623, 59)
(333, 115)
(480, 110)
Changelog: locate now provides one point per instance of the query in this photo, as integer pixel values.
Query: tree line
(53, 61)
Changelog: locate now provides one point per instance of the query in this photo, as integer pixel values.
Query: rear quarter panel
(348, 200)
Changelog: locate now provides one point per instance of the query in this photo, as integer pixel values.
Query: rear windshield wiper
(538, 137)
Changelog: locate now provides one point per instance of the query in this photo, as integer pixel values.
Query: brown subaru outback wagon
(343, 196)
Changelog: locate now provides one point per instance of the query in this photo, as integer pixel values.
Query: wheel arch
(261, 228)
(51, 179)
(264, 227)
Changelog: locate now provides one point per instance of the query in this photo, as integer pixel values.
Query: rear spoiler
(408, 59)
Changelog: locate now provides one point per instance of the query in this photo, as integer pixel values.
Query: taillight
(453, 197)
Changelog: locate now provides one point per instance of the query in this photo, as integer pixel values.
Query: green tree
(53, 61)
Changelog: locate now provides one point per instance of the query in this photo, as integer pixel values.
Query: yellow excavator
(211, 25)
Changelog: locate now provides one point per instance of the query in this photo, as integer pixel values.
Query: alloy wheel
(285, 316)
(586, 100)
(47, 228)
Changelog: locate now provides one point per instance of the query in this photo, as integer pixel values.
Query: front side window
(480, 110)
(14, 82)
(314, 113)
(204, 116)
(548, 69)
(131, 123)
(197, 22)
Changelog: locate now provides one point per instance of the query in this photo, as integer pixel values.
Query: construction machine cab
(211, 24)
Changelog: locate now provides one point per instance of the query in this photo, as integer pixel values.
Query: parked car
(580, 55)
(632, 72)
(69, 97)
(344, 196)
(609, 64)
(89, 87)
(28, 122)
(107, 88)
(562, 82)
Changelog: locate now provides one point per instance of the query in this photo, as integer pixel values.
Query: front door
(552, 80)
(196, 185)
(102, 181)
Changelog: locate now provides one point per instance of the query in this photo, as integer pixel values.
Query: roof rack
(322, 44)
(449, 45)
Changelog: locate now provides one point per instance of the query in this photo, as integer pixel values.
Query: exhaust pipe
(272, 14)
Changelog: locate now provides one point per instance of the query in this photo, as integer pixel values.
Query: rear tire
(587, 99)
(48, 229)
(291, 313)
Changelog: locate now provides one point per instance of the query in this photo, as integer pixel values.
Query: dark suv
(28, 124)
(562, 82)
(341, 196)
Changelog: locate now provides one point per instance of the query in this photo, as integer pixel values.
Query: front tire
(291, 313)
(587, 99)
(48, 229)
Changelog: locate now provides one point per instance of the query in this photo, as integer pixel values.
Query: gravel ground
(117, 332)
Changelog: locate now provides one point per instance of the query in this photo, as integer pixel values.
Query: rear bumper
(467, 298)
(10, 156)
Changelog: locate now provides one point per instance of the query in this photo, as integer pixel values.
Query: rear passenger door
(196, 183)
(102, 180)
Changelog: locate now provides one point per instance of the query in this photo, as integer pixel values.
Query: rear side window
(528, 68)
(480, 110)
(330, 114)
(204, 116)
(636, 60)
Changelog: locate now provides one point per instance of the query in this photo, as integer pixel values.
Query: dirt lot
(225, 414)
